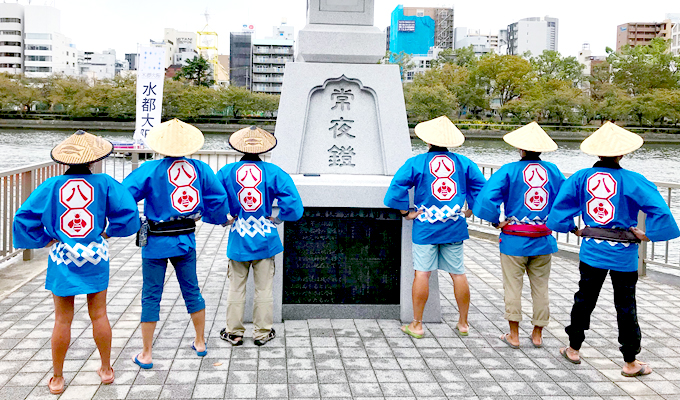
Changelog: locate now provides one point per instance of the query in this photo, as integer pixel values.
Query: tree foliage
(197, 71)
(77, 97)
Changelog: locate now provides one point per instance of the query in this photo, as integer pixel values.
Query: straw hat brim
(440, 132)
(252, 140)
(610, 141)
(81, 148)
(531, 137)
(175, 138)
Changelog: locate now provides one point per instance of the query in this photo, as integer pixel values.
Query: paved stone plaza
(338, 358)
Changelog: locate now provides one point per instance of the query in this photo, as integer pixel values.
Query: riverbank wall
(468, 130)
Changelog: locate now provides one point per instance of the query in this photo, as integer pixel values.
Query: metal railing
(659, 254)
(16, 185)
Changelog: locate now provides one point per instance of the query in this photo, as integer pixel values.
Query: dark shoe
(260, 342)
(235, 340)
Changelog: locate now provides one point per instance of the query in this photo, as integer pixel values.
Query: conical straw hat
(531, 137)
(610, 141)
(81, 148)
(175, 138)
(252, 140)
(440, 132)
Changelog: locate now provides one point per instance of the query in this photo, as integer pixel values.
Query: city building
(240, 58)
(414, 30)
(411, 34)
(133, 60)
(533, 35)
(179, 46)
(641, 33)
(421, 63)
(588, 60)
(480, 42)
(11, 38)
(97, 65)
(269, 62)
(283, 31)
(46, 50)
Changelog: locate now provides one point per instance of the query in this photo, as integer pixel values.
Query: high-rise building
(641, 33)
(269, 62)
(97, 65)
(46, 50)
(443, 20)
(132, 59)
(534, 35)
(11, 38)
(481, 43)
(411, 34)
(240, 55)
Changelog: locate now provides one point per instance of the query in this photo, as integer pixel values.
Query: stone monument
(342, 134)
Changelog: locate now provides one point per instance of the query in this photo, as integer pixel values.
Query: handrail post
(642, 247)
(135, 160)
(27, 184)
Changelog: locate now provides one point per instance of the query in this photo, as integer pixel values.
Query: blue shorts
(447, 257)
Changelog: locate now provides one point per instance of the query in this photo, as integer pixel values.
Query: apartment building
(642, 33)
(533, 35)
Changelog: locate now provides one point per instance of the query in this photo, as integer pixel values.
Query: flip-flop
(406, 330)
(141, 364)
(505, 340)
(200, 353)
(461, 333)
(563, 351)
(538, 346)
(57, 391)
(640, 372)
(107, 381)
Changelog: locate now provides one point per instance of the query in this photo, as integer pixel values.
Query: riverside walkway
(315, 359)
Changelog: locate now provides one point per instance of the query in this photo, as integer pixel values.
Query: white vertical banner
(150, 76)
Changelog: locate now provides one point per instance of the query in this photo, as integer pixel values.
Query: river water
(658, 162)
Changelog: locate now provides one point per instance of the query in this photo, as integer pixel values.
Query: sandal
(408, 331)
(200, 353)
(235, 340)
(55, 391)
(642, 371)
(563, 351)
(106, 381)
(504, 339)
(461, 333)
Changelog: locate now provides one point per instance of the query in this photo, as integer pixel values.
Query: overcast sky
(95, 25)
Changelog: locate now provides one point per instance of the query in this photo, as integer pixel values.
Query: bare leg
(537, 335)
(101, 330)
(420, 294)
(198, 318)
(61, 337)
(146, 356)
(513, 336)
(461, 290)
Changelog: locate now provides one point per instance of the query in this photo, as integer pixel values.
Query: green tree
(505, 77)
(551, 65)
(197, 71)
(403, 60)
(642, 68)
(424, 102)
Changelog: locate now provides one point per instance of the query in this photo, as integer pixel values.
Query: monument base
(354, 192)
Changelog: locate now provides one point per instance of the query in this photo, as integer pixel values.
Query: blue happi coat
(74, 210)
(607, 196)
(443, 181)
(175, 188)
(252, 186)
(527, 190)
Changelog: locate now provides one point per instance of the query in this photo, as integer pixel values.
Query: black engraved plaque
(343, 256)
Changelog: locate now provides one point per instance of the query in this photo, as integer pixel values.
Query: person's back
(526, 189)
(442, 182)
(177, 191)
(75, 213)
(609, 198)
(252, 186)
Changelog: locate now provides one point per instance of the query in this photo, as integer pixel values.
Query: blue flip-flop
(200, 353)
(141, 364)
